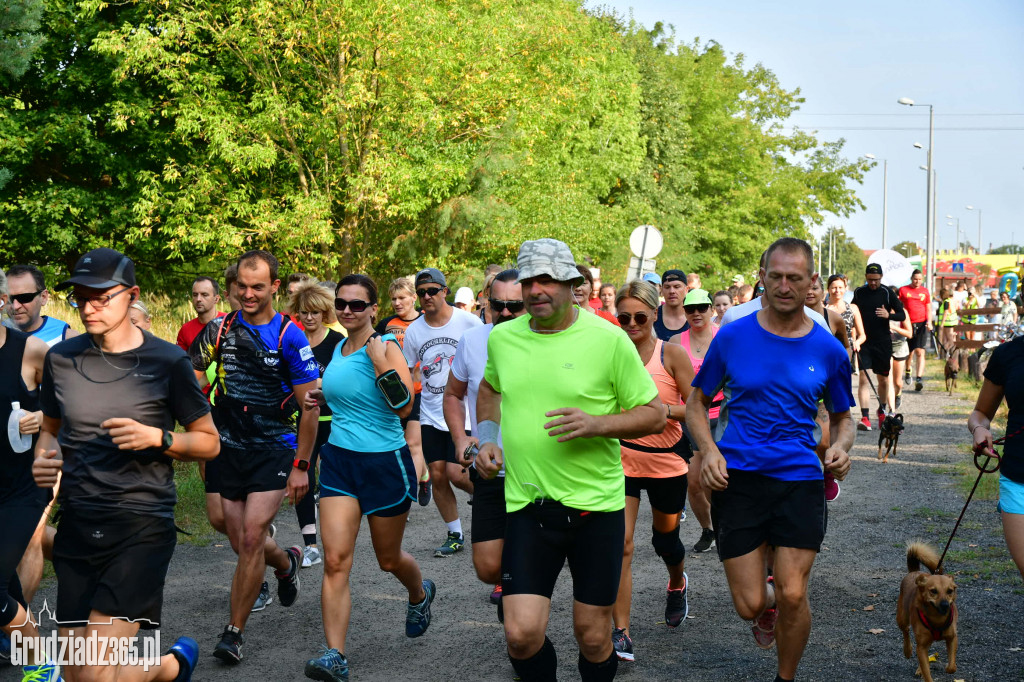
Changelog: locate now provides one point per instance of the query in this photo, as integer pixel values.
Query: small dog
(927, 605)
(951, 369)
(889, 433)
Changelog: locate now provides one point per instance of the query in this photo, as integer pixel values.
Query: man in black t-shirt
(878, 305)
(117, 533)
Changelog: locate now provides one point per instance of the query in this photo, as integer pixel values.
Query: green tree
(908, 249)
(1006, 249)
(19, 36)
(840, 254)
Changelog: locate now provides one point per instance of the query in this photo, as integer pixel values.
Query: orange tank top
(664, 462)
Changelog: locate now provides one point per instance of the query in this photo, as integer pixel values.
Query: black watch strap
(168, 441)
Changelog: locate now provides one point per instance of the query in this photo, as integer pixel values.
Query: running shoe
(311, 557)
(918, 385)
(186, 650)
(831, 487)
(764, 625)
(706, 542)
(881, 418)
(288, 582)
(899, 401)
(229, 648)
(43, 673)
(496, 594)
(452, 545)
(263, 599)
(906, 379)
(330, 666)
(424, 493)
(417, 616)
(272, 530)
(5, 647)
(622, 644)
(864, 424)
(676, 606)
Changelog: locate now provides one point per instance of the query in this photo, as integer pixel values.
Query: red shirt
(189, 331)
(916, 301)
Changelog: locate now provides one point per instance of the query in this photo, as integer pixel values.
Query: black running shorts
(758, 509)
(236, 473)
(540, 537)
(920, 336)
(667, 495)
(384, 483)
(437, 444)
(488, 520)
(112, 563)
(876, 357)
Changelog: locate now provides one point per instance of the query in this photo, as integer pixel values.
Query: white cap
(464, 295)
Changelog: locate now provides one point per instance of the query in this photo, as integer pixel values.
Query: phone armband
(394, 390)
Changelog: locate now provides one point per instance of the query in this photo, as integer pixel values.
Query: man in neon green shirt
(564, 488)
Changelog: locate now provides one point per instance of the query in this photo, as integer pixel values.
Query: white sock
(455, 526)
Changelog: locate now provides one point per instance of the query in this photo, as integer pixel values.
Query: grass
(190, 513)
(991, 563)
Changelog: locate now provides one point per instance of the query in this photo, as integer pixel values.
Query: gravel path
(853, 589)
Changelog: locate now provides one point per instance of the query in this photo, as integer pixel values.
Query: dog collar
(936, 632)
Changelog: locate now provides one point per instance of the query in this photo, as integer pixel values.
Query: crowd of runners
(547, 400)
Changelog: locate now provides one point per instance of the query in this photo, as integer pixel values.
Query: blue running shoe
(186, 650)
(331, 666)
(41, 673)
(417, 618)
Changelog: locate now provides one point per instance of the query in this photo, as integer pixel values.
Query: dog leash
(984, 467)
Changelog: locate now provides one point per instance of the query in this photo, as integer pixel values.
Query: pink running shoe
(831, 487)
(764, 625)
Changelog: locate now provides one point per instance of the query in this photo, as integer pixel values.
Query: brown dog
(927, 605)
(951, 369)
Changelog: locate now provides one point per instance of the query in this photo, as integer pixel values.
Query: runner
(971, 303)
(948, 319)
(918, 303)
(139, 315)
(746, 294)
(651, 463)
(366, 470)
(27, 294)
(850, 314)
(464, 300)
(403, 300)
(671, 316)
(117, 534)
(460, 396)
(878, 305)
(695, 341)
(693, 281)
(581, 296)
(607, 296)
(265, 365)
(231, 286)
(755, 305)
(765, 476)
(21, 501)
(315, 309)
(900, 333)
(205, 297)
(431, 342)
(721, 301)
(564, 487)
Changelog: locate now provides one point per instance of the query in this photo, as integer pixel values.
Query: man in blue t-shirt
(265, 367)
(761, 465)
(27, 288)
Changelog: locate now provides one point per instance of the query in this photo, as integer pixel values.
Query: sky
(852, 61)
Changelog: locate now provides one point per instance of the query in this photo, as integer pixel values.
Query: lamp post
(885, 196)
(930, 214)
(951, 224)
(971, 208)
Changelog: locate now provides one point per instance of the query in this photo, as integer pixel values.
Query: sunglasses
(697, 308)
(102, 301)
(624, 318)
(355, 306)
(513, 306)
(25, 299)
(429, 292)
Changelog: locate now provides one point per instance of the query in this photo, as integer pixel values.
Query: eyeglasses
(499, 305)
(355, 306)
(696, 308)
(624, 318)
(25, 299)
(311, 313)
(101, 301)
(429, 292)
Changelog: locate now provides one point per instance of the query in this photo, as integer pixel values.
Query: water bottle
(20, 442)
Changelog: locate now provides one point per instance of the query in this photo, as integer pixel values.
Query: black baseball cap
(673, 276)
(873, 269)
(101, 269)
(430, 275)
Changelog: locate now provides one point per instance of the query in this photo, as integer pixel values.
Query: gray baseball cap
(430, 275)
(547, 257)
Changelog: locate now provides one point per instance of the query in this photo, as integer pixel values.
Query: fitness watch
(168, 440)
(301, 464)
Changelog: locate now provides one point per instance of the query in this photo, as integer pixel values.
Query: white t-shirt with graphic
(434, 349)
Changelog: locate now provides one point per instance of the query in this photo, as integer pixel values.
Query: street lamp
(951, 218)
(885, 195)
(929, 212)
(971, 208)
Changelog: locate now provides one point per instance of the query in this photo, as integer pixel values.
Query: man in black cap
(877, 306)
(671, 317)
(117, 533)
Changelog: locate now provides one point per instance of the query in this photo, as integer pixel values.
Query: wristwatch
(301, 464)
(168, 440)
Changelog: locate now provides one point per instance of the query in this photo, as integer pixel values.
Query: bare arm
(455, 416)
(387, 358)
(678, 365)
(488, 409)
(200, 442)
(714, 470)
(47, 466)
(640, 421)
(837, 457)
(859, 335)
(979, 423)
(32, 374)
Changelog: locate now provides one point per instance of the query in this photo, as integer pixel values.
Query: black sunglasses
(624, 318)
(355, 306)
(429, 292)
(499, 305)
(25, 299)
(697, 308)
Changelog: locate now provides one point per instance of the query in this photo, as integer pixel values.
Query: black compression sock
(780, 678)
(309, 539)
(863, 412)
(541, 667)
(598, 672)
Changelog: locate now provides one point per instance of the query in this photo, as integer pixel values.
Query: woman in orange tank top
(652, 462)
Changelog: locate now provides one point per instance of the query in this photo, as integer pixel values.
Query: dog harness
(937, 632)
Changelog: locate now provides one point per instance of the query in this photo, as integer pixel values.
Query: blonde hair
(641, 290)
(401, 284)
(310, 296)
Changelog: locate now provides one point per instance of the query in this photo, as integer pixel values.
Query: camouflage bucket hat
(547, 257)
